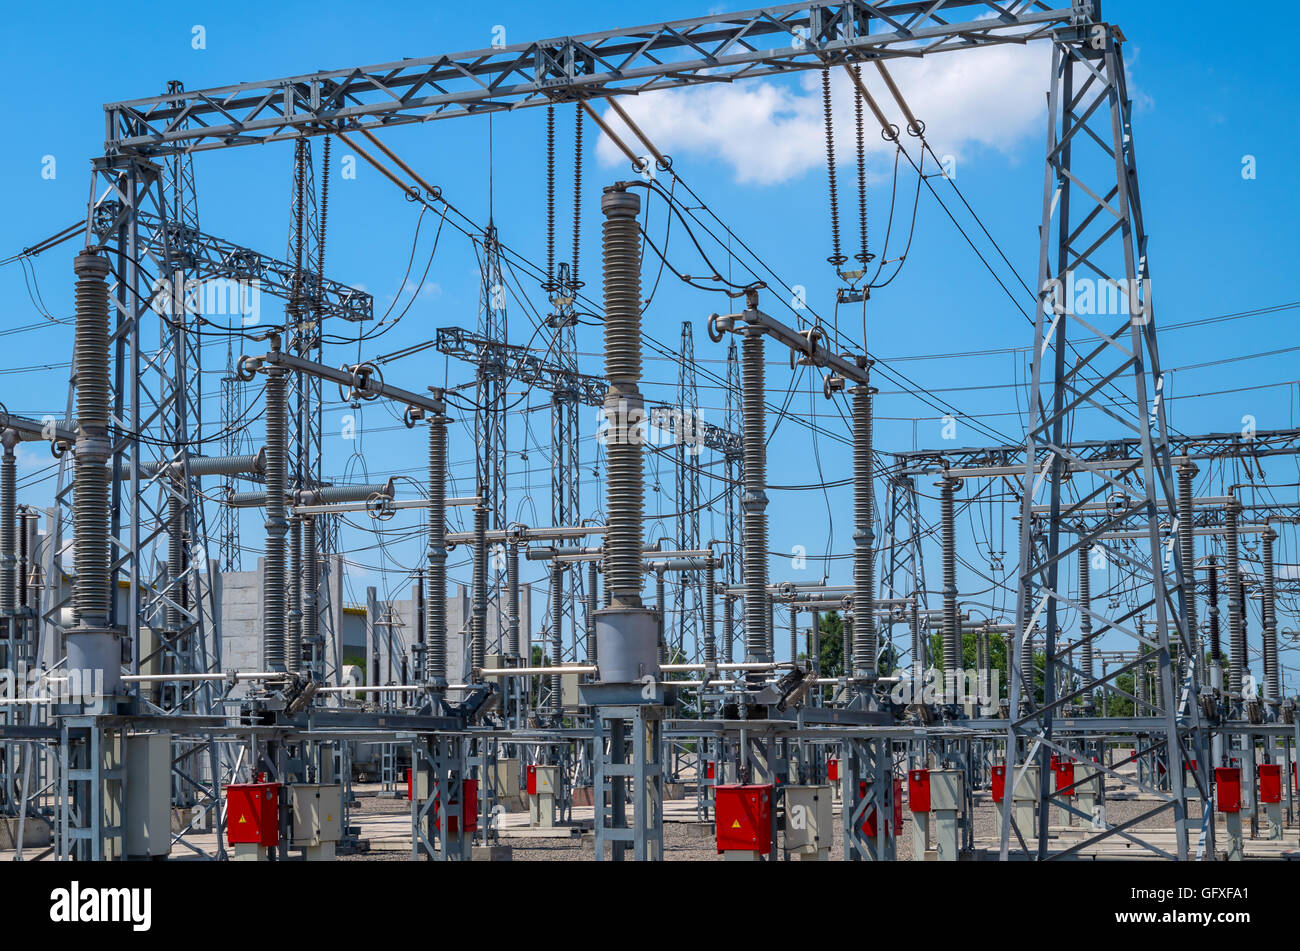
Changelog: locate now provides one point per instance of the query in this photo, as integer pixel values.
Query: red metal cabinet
(918, 790)
(1065, 778)
(1270, 782)
(1227, 786)
(253, 814)
(743, 818)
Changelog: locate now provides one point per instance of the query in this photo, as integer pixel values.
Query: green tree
(1115, 705)
(970, 653)
(831, 655)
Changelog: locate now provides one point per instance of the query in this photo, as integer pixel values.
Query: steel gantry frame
(719, 48)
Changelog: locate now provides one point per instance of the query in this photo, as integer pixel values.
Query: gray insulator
(273, 577)
(918, 638)
(846, 642)
(1272, 675)
(864, 572)
(710, 620)
(512, 592)
(246, 500)
(90, 481)
(728, 628)
(951, 634)
(754, 501)
(213, 465)
(293, 617)
(435, 600)
(175, 553)
(1028, 644)
(771, 626)
(557, 621)
(478, 619)
(334, 494)
(8, 524)
(794, 633)
(310, 579)
(593, 583)
(1085, 627)
(1236, 635)
(662, 610)
(1216, 642)
(625, 491)
(1187, 556)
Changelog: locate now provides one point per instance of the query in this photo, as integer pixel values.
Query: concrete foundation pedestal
(1273, 817)
(920, 835)
(1232, 840)
(248, 852)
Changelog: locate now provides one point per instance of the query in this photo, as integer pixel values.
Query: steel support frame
(1092, 225)
(867, 792)
(629, 745)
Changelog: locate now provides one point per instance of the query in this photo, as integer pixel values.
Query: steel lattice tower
(489, 409)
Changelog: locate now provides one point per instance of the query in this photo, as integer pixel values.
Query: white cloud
(772, 131)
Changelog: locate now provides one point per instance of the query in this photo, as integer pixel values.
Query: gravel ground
(694, 842)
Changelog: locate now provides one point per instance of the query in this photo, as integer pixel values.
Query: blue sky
(1220, 243)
